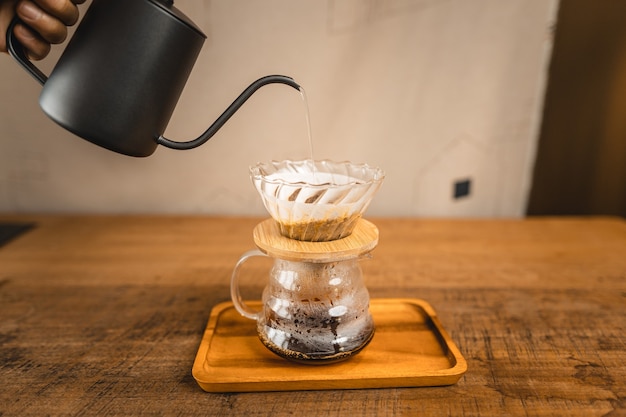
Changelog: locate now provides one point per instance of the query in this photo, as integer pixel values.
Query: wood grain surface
(103, 315)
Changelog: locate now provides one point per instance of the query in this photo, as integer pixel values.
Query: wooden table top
(104, 315)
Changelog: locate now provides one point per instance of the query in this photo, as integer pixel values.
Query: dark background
(581, 160)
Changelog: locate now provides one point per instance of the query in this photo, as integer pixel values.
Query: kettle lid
(168, 6)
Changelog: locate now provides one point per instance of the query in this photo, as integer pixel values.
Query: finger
(49, 28)
(64, 10)
(7, 9)
(36, 48)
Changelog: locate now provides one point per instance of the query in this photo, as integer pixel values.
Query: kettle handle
(16, 50)
(235, 105)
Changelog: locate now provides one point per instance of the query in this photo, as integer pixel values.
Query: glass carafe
(315, 306)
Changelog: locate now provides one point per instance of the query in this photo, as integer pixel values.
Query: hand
(45, 23)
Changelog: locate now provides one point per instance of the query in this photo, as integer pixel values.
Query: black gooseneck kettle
(120, 76)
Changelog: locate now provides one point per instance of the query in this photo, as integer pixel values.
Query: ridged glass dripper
(316, 200)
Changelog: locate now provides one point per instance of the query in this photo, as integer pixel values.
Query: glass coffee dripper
(315, 307)
(316, 200)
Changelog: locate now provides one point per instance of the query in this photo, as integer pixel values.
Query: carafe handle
(16, 50)
(235, 293)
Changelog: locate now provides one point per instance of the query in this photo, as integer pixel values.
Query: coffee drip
(315, 307)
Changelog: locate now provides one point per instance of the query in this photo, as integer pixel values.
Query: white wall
(432, 91)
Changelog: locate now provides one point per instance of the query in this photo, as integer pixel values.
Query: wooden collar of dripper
(269, 240)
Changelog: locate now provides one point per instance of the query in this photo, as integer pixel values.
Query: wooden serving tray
(410, 349)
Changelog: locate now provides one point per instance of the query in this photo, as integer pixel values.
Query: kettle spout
(235, 105)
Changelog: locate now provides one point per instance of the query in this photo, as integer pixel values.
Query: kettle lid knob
(168, 6)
